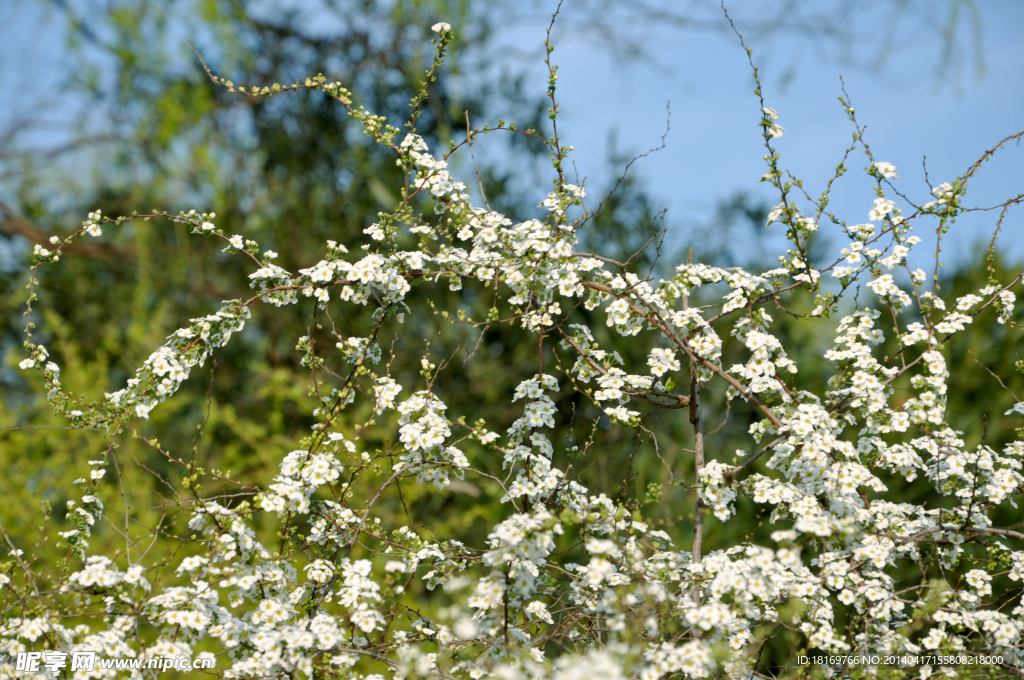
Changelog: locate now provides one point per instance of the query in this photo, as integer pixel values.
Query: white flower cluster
(423, 430)
(532, 452)
(301, 475)
(163, 372)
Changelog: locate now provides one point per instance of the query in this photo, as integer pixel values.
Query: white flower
(191, 563)
(882, 208)
(236, 242)
(206, 226)
(441, 27)
(26, 363)
(775, 130)
(887, 170)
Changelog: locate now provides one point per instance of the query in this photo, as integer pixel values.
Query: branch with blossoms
(570, 582)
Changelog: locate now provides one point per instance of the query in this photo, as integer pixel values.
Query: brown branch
(12, 224)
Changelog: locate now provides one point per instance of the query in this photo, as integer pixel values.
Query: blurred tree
(864, 34)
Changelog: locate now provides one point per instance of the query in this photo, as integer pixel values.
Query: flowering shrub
(851, 567)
